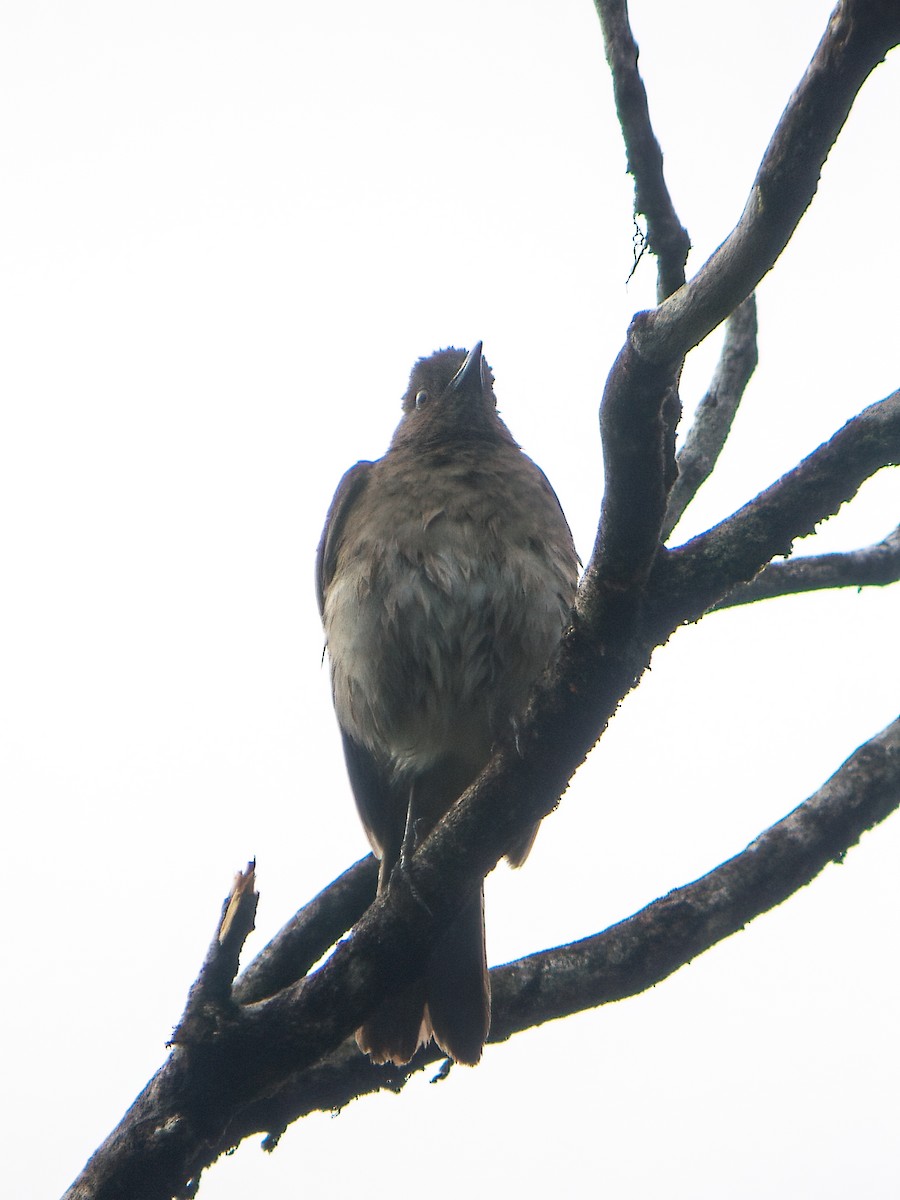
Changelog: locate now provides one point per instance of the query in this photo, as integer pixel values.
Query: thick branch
(715, 413)
(637, 431)
(666, 237)
(872, 566)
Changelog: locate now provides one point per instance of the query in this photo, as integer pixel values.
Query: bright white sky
(227, 231)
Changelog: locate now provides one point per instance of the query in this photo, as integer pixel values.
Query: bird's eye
(421, 398)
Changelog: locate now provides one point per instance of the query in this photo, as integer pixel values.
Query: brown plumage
(445, 574)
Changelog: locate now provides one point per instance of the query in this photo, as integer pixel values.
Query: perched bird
(445, 574)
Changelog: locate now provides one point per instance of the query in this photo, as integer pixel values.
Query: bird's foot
(403, 871)
(403, 868)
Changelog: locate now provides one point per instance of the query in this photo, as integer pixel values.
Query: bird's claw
(403, 870)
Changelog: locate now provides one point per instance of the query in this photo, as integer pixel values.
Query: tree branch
(313, 930)
(635, 425)
(808, 493)
(210, 1000)
(871, 566)
(622, 961)
(644, 949)
(715, 413)
(666, 236)
(248, 1053)
(690, 580)
(859, 35)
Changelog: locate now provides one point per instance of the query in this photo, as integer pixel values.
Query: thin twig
(666, 236)
(715, 413)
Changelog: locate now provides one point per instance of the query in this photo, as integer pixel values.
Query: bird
(445, 577)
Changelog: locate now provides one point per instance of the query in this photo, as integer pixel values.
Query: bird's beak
(471, 372)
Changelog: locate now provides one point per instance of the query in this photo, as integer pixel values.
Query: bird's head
(450, 397)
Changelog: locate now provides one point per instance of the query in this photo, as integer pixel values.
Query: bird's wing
(376, 800)
(369, 780)
(349, 490)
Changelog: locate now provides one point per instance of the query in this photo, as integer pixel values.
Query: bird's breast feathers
(439, 620)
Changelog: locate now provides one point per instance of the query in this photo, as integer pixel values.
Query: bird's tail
(451, 1002)
(397, 1028)
(457, 988)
